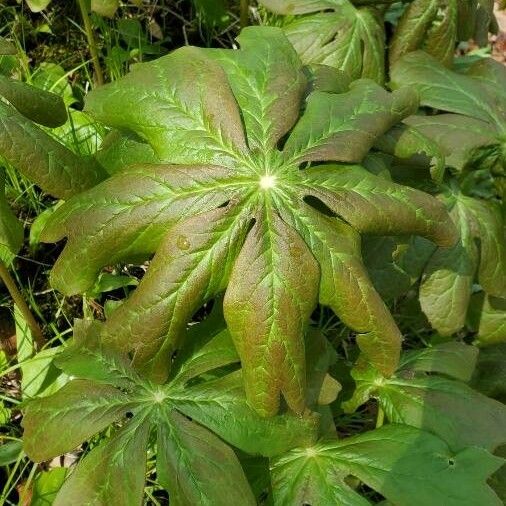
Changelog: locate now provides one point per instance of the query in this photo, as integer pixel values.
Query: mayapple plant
(468, 135)
(257, 193)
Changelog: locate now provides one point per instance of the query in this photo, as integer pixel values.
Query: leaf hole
(320, 206)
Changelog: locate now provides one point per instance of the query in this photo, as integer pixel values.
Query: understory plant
(317, 216)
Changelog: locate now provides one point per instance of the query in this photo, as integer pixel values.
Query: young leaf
(40, 106)
(393, 460)
(192, 462)
(207, 221)
(221, 405)
(102, 476)
(59, 423)
(446, 90)
(430, 25)
(197, 467)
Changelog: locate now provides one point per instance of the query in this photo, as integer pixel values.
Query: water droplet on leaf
(183, 242)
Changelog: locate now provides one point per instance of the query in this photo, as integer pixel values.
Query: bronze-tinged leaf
(271, 294)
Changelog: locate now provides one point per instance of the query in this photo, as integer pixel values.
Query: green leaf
(224, 116)
(393, 460)
(202, 250)
(268, 89)
(454, 359)
(217, 352)
(487, 316)
(345, 286)
(10, 452)
(346, 38)
(446, 286)
(138, 224)
(102, 476)
(440, 88)
(42, 159)
(395, 263)
(430, 25)
(105, 8)
(37, 5)
(40, 377)
(86, 358)
(387, 207)
(407, 143)
(491, 230)
(221, 406)
(59, 423)
(11, 230)
(46, 486)
(119, 151)
(197, 467)
(458, 137)
(290, 7)
(188, 111)
(271, 294)
(450, 409)
(38, 105)
(343, 127)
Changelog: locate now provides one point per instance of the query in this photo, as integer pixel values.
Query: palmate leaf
(446, 407)
(222, 209)
(192, 462)
(393, 460)
(430, 25)
(345, 37)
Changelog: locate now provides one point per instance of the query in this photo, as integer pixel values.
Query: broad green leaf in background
(474, 99)
(46, 486)
(446, 287)
(39, 376)
(192, 462)
(446, 407)
(105, 8)
(453, 359)
(345, 37)
(229, 208)
(487, 316)
(430, 25)
(393, 460)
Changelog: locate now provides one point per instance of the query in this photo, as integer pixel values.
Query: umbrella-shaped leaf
(228, 225)
(393, 460)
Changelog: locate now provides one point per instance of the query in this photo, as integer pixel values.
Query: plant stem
(244, 13)
(99, 76)
(22, 305)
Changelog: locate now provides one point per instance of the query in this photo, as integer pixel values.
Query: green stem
(244, 13)
(99, 76)
(22, 305)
